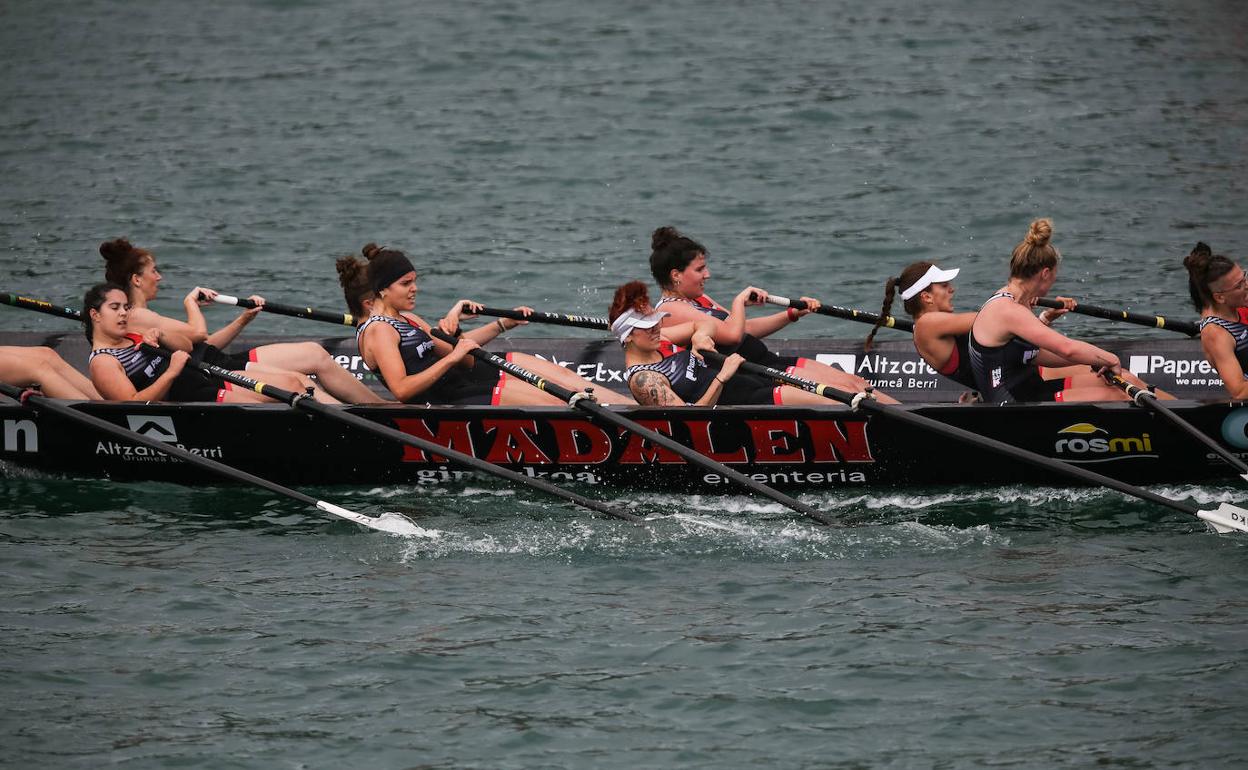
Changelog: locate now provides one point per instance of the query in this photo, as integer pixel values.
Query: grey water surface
(522, 153)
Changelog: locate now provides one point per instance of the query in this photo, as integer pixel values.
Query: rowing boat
(805, 448)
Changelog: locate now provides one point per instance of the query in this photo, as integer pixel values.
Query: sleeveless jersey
(143, 368)
(477, 385)
(415, 347)
(688, 376)
(701, 304)
(1003, 372)
(958, 367)
(1238, 331)
(750, 348)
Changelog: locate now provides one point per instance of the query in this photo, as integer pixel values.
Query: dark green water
(522, 153)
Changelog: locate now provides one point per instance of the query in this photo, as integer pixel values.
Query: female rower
(659, 377)
(941, 336)
(135, 269)
(678, 264)
(1219, 292)
(1008, 343)
(416, 367)
(42, 368)
(123, 371)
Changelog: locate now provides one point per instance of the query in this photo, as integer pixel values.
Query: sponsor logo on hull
(1087, 443)
(158, 427)
(20, 436)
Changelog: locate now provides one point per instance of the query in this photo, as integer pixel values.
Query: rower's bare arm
(380, 343)
(938, 324)
(1029, 327)
(653, 389)
(142, 318)
(226, 334)
(768, 324)
(111, 381)
(1219, 347)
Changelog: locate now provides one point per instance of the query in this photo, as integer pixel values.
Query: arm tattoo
(653, 389)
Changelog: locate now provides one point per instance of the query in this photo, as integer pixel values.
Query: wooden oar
(584, 401)
(558, 319)
(1154, 321)
(891, 322)
(1146, 400)
(341, 319)
(305, 402)
(1224, 518)
(393, 523)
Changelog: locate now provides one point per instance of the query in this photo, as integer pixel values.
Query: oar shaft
(849, 314)
(558, 319)
(300, 401)
(585, 403)
(1146, 400)
(900, 414)
(1154, 321)
(341, 319)
(39, 305)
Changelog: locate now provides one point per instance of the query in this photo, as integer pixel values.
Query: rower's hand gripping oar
(585, 402)
(305, 402)
(1225, 518)
(1153, 321)
(1147, 400)
(843, 312)
(537, 316)
(341, 319)
(398, 525)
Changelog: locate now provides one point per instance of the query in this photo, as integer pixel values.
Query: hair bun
(1040, 232)
(1202, 249)
(118, 248)
(350, 270)
(662, 237)
(370, 250)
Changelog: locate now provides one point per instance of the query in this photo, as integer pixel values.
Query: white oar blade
(1226, 518)
(1244, 476)
(394, 523)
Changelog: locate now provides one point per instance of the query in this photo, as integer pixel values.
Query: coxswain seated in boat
(135, 269)
(659, 374)
(122, 370)
(679, 266)
(1219, 291)
(41, 368)
(942, 336)
(1008, 344)
(416, 368)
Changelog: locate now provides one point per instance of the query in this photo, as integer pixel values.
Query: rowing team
(1004, 351)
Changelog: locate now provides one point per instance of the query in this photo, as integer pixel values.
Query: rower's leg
(291, 381)
(25, 367)
(790, 396)
(830, 375)
(311, 358)
(561, 375)
(515, 392)
(1095, 381)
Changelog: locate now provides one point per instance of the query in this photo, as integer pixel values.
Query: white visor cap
(631, 319)
(933, 275)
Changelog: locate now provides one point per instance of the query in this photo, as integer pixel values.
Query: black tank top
(415, 347)
(143, 368)
(688, 375)
(1239, 331)
(958, 367)
(1000, 370)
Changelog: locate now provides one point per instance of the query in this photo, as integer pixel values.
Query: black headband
(386, 268)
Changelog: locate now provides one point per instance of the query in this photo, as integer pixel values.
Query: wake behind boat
(804, 448)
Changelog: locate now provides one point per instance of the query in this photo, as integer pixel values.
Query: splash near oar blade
(1227, 516)
(312, 314)
(1140, 319)
(33, 400)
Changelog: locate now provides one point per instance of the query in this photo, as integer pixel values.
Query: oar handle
(849, 314)
(558, 319)
(1154, 321)
(341, 319)
(39, 305)
(585, 402)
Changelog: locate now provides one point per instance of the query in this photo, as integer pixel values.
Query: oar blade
(1226, 518)
(393, 523)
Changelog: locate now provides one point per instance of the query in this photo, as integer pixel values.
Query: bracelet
(721, 382)
(501, 328)
(793, 316)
